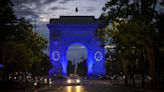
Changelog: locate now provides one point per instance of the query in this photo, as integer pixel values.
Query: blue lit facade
(71, 30)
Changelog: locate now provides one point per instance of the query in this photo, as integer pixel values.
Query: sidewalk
(137, 87)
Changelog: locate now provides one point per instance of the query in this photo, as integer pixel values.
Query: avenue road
(85, 86)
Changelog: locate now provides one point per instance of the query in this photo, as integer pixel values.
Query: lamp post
(38, 19)
(34, 20)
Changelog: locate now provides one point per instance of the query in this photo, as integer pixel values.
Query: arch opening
(77, 57)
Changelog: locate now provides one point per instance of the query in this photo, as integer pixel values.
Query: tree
(113, 63)
(42, 67)
(70, 68)
(24, 49)
(160, 53)
(133, 26)
(82, 68)
(21, 49)
(7, 19)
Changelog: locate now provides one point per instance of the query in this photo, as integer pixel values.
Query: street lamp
(39, 19)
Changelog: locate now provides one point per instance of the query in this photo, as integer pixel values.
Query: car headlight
(35, 84)
(78, 81)
(50, 81)
(69, 81)
(45, 80)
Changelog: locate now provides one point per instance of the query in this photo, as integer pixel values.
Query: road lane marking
(59, 88)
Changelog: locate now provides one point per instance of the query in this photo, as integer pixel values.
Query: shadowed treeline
(136, 29)
(21, 49)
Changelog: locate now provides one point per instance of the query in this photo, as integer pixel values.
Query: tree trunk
(143, 68)
(26, 81)
(125, 69)
(151, 56)
(133, 80)
(153, 69)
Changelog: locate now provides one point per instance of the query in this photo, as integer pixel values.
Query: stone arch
(75, 29)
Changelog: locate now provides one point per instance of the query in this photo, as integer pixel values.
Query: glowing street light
(43, 19)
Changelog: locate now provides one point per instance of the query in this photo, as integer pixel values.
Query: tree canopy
(21, 49)
(134, 27)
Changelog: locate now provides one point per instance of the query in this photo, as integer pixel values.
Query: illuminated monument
(68, 30)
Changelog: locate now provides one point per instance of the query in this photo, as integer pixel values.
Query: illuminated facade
(68, 30)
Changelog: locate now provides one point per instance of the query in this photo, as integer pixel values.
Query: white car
(73, 80)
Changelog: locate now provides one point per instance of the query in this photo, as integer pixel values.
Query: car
(37, 83)
(74, 79)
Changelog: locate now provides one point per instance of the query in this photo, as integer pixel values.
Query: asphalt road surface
(85, 86)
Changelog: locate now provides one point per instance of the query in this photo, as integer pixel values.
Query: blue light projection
(64, 34)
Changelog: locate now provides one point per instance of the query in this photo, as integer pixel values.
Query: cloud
(49, 1)
(18, 2)
(32, 8)
(26, 8)
(25, 11)
(37, 2)
(93, 0)
(58, 8)
(65, 1)
(89, 9)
